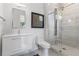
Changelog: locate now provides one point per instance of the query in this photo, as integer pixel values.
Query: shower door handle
(55, 22)
(55, 28)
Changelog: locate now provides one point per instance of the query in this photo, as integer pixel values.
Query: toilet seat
(44, 44)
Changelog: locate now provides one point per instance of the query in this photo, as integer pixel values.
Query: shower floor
(66, 50)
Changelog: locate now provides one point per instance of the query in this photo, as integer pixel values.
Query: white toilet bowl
(45, 45)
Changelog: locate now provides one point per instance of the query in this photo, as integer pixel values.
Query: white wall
(38, 8)
(70, 32)
(30, 7)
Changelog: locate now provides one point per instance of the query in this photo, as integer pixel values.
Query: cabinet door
(10, 45)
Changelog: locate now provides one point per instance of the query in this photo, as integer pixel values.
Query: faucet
(18, 31)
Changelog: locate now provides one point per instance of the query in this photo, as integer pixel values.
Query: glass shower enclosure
(63, 30)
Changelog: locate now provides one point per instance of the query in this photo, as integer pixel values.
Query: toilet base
(45, 51)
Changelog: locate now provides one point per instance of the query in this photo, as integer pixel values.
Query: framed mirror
(37, 20)
(18, 18)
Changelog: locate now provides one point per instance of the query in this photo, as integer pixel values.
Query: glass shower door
(51, 25)
(55, 32)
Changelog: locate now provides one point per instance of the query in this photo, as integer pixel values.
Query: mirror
(37, 20)
(19, 18)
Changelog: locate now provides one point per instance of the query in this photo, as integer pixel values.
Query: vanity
(18, 44)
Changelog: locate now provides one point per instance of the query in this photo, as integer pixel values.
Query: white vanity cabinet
(18, 44)
(10, 44)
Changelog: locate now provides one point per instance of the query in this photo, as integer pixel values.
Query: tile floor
(51, 52)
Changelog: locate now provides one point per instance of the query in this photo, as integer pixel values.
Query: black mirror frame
(32, 20)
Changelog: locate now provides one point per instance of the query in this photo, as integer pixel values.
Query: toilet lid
(44, 44)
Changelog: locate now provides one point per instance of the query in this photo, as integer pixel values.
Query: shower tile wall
(70, 26)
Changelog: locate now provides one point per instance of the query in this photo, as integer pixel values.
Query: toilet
(45, 45)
